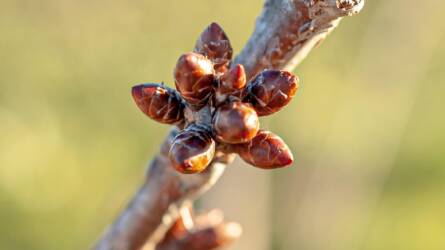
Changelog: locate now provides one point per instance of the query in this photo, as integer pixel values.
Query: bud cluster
(217, 108)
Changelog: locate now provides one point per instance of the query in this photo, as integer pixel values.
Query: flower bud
(231, 83)
(194, 78)
(266, 150)
(158, 102)
(167, 144)
(214, 44)
(271, 90)
(192, 150)
(235, 122)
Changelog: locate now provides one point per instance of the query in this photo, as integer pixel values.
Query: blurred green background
(366, 128)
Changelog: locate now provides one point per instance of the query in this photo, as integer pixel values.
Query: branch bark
(285, 32)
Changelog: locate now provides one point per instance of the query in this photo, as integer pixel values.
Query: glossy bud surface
(233, 81)
(192, 150)
(214, 44)
(266, 151)
(158, 102)
(194, 78)
(271, 90)
(235, 122)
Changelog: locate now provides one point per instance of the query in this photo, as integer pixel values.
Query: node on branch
(217, 109)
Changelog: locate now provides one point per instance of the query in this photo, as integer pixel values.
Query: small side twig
(284, 34)
(203, 232)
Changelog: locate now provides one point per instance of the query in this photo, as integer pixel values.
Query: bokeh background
(367, 126)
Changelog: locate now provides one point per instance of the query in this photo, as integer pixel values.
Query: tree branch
(287, 30)
(154, 207)
(285, 33)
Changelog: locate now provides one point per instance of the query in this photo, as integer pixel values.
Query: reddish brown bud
(194, 77)
(158, 102)
(214, 44)
(235, 122)
(266, 151)
(208, 232)
(271, 90)
(213, 237)
(176, 231)
(167, 144)
(231, 83)
(192, 150)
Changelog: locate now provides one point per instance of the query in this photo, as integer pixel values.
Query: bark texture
(287, 30)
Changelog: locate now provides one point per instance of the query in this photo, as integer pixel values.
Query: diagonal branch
(287, 30)
(285, 33)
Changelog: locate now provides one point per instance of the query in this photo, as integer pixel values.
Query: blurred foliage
(74, 146)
